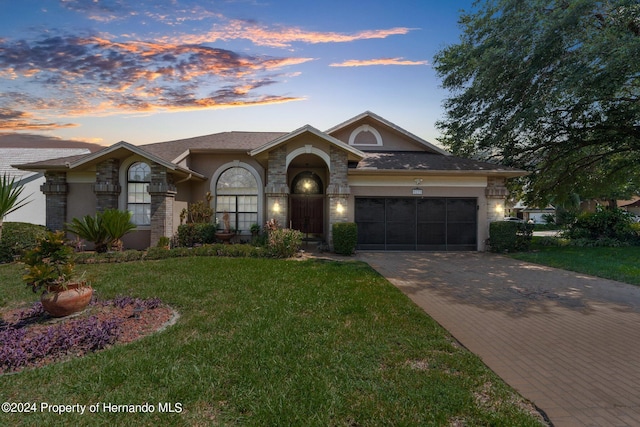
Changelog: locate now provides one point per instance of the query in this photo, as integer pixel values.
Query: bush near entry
(508, 236)
(345, 237)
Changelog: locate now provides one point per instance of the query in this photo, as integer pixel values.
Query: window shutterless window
(138, 198)
(237, 194)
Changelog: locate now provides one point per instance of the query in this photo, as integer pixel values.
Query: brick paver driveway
(568, 342)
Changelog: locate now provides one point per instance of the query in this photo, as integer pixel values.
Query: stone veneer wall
(163, 192)
(496, 193)
(338, 190)
(55, 190)
(107, 187)
(277, 190)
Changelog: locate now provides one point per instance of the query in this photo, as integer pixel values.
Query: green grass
(619, 264)
(267, 342)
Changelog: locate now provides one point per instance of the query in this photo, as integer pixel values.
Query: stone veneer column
(55, 190)
(163, 192)
(107, 187)
(338, 190)
(496, 193)
(277, 190)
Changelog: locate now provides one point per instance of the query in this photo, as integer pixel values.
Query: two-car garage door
(423, 224)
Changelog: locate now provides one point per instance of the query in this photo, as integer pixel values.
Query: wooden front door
(307, 214)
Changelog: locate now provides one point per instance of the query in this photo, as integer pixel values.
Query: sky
(146, 71)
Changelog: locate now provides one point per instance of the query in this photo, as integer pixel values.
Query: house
(403, 192)
(534, 214)
(18, 149)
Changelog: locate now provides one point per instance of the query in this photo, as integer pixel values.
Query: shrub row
(218, 249)
(508, 236)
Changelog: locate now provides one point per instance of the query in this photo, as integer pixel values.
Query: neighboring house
(527, 213)
(34, 211)
(403, 192)
(632, 206)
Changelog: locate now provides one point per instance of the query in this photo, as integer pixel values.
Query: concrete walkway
(568, 342)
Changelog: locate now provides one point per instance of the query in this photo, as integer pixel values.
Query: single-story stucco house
(403, 192)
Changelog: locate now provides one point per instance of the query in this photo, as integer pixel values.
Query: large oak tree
(548, 86)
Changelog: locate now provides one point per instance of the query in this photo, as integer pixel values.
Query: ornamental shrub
(603, 225)
(19, 237)
(345, 237)
(284, 243)
(192, 234)
(509, 236)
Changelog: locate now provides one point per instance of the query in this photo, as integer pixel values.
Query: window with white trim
(138, 198)
(237, 194)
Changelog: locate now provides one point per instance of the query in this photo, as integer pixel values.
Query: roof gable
(369, 122)
(307, 129)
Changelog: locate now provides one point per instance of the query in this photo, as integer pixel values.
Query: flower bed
(31, 338)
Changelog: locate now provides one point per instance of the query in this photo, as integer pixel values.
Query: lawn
(610, 263)
(266, 342)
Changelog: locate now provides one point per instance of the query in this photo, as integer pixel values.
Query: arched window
(138, 198)
(237, 194)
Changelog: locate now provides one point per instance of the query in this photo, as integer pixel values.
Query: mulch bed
(31, 338)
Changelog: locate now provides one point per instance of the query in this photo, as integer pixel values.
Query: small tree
(10, 200)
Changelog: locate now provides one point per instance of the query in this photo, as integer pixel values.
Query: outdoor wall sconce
(417, 191)
(499, 209)
(276, 207)
(339, 208)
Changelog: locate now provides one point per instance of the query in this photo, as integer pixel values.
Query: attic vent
(365, 136)
(352, 164)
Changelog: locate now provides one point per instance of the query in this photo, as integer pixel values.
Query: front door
(307, 214)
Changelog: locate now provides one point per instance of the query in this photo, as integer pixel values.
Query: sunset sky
(155, 70)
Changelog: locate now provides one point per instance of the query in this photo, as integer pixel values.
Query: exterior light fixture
(499, 209)
(417, 191)
(339, 208)
(276, 207)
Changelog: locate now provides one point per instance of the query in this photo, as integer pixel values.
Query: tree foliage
(550, 86)
(10, 201)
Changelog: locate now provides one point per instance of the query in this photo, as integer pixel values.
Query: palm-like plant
(10, 197)
(104, 230)
(116, 223)
(90, 228)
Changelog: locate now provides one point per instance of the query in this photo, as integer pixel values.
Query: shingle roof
(424, 161)
(242, 141)
(19, 156)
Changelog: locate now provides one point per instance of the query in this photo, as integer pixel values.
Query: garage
(417, 224)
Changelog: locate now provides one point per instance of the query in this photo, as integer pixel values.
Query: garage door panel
(400, 222)
(370, 217)
(431, 224)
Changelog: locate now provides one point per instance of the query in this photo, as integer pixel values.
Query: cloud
(94, 75)
(379, 61)
(102, 11)
(284, 37)
(20, 120)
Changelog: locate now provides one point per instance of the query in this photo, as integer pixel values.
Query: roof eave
(373, 171)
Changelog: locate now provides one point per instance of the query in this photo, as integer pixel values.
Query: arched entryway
(307, 204)
(308, 178)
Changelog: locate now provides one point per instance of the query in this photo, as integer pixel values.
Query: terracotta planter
(63, 302)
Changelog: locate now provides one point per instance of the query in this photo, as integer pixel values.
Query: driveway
(568, 342)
